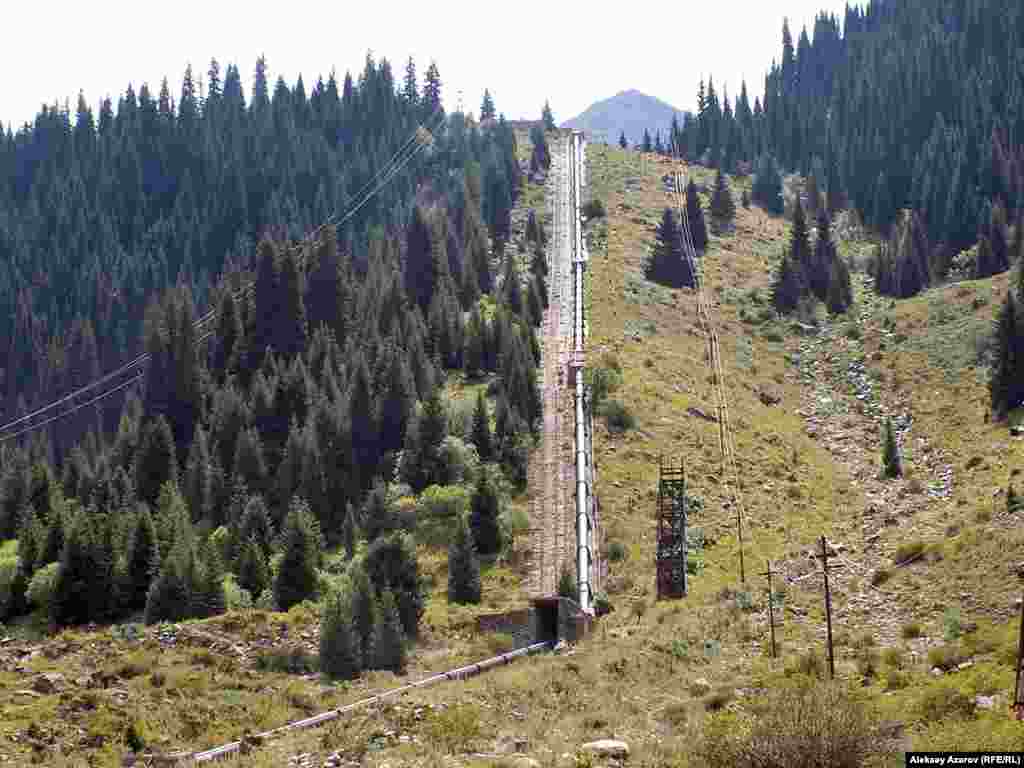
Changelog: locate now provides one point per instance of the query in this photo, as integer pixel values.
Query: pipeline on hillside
(461, 673)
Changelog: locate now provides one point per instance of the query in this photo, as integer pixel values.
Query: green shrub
(951, 622)
(801, 726)
(40, 588)
(455, 728)
(617, 552)
(809, 663)
(8, 570)
(292, 661)
(718, 699)
(567, 586)
(896, 680)
(943, 700)
(908, 551)
(893, 658)
(618, 417)
(594, 209)
(911, 630)
(945, 657)
(236, 598)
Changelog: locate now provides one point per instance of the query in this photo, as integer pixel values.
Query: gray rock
(48, 682)
(607, 748)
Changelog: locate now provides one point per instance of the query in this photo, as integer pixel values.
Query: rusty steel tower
(672, 545)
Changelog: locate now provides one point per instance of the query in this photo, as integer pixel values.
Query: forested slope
(315, 407)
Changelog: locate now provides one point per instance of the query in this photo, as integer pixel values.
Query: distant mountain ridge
(630, 112)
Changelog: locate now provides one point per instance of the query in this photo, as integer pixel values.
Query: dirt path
(551, 532)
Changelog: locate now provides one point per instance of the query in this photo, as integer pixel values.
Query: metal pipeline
(583, 535)
(461, 673)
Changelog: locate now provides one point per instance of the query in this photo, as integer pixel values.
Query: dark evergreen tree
(253, 571)
(487, 107)
(766, 190)
(787, 285)
(156, 463)
(484, 516)
(199, 478)
(339, 643)
(695, 217)
(668, 263)
(391, 564)
(143, 563)
(481, 435)
(364, 615)
(723, 208)
(622, 140)
(547, 118)
(389, 641)
(83, 590)
(463, 567)
(1006, 382)
(300, 541)
(891, 462)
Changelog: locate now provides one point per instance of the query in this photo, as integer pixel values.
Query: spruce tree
(767, 188)
(668, 264)
(463, 567)
(840, 291)
(1006, 383)
(547, 118)
(787, 286)
(800, 243)
(484, 515)
(392, 564)
(695, 217)
(822, 263)
(891, 462)
(170, 594)
(622, 140)
(487, 107)
(339, 645)
(389, 643)
(297, 577)
(156, 462)
(198, 480)
(481, 435)
(364, 614)
(723, 207)
(253, 571)
(143, 563)
(84, 589)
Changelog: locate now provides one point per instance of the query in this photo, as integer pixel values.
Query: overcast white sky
(571, 53)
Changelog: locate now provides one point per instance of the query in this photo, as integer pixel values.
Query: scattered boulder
(607, 748)
(48, 682)
(769, 397)
(700, 686)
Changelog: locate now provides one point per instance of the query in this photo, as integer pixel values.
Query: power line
(382, 178)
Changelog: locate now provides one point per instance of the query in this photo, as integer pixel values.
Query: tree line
(312, 412)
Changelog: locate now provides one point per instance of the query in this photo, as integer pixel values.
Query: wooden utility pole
(1018, 689)
(771, 607)
(828, 610)
(739, 535)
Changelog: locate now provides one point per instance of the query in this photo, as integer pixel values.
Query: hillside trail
(844, 411)
(551, 542)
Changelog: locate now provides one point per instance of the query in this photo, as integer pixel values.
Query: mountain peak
(631, 112)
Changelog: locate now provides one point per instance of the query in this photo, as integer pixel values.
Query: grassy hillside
(925, 566)
(680, 680)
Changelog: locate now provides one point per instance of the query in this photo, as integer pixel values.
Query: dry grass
(633, 678)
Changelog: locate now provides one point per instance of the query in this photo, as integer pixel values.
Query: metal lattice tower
(671, 552)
